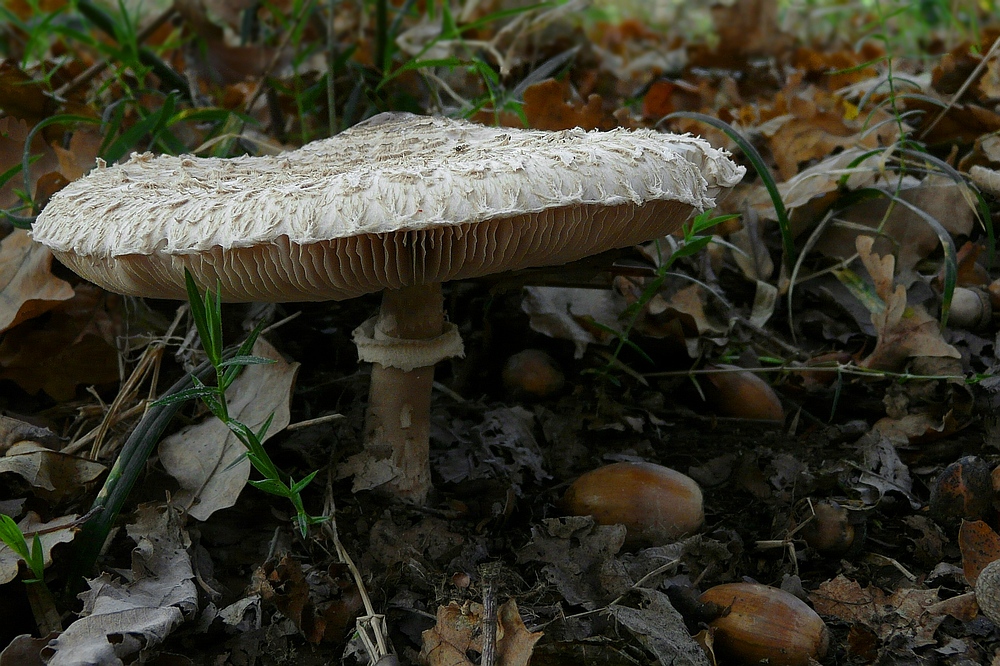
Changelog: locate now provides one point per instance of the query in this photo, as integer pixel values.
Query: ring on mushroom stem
(399, 204)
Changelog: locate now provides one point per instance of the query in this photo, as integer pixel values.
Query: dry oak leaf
(902, 331)
(53, 475)
(808, 124)
(27, 286)
(459, 629)
(911, 613)
(546, 108)
(59, 530)
(74, 344)
(980, 545)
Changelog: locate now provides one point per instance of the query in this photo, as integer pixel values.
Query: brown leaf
(514, 643)
(21, 95)
(980, 545)
(457, 630)
(27, 286)
(285, 584)
(80, 157)
(53, 475)
(546, 107)
(846, 600)
(809, 124)
(908, 613)
(902, 331)
(75, 345)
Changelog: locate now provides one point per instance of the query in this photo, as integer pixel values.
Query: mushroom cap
(396, 201)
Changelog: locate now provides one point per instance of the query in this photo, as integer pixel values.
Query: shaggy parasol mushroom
(398, 204)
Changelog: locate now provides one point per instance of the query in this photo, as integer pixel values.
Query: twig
(489, 573)
(376, 643)
(316, 421)
(965, 86)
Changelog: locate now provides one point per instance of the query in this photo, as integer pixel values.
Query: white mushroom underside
(348, 267)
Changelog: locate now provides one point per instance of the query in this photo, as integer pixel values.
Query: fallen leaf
(909, 615)
(337, 600)
(579, 558)
(499, 445)
(660, 629)
(903, 331)
(809, 124)
(458, 630)
(207, 459)
(980, 545)
(880, 470)
(74, 345)
(564, 313)
(53, 474)
(901, 228)
(60, 530)
(24, 651)
(14, 430)
(122, 617)
(546, 108)
(27, 286)
(515, 643)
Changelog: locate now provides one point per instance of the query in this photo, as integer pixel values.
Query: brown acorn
(743, 395)
(829, 530)
(532, 373)
(964, 490)
(656, 504)
(765, 625)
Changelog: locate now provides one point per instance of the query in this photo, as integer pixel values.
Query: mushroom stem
(397, 425)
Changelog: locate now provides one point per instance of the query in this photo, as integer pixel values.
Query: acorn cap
(396, 201)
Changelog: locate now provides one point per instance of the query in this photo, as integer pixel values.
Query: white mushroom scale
(398, 204)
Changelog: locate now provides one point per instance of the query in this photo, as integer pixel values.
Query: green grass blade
(787, 242)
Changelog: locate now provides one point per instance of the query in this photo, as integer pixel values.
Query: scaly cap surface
(394, 201)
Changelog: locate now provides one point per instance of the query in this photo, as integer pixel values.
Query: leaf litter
(881, 399)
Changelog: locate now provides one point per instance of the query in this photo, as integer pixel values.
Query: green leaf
(763, 171)
(198, 313)
(300, 485)
(264, 427)
(184, 396)
(37, 560)
(11, 535)
(272, 486)
(693, 246)
(247, 360)
(244, 352)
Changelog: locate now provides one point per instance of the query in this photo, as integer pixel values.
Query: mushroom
(398, 204)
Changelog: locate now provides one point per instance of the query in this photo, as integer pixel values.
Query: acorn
(829, 530)
(765, 625)
(971, 309)
(532, 373)
(656, 504)
(988, 591)
(743, 395)
(964, 490)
